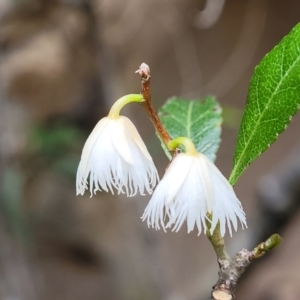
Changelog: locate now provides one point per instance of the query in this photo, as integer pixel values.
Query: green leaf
(199, 120)
(273, 98)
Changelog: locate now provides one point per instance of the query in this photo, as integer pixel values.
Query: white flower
(191, 188)
(114, 155)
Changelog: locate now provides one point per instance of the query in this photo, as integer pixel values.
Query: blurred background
(62, 64)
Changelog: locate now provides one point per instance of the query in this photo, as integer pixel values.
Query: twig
(230, 270)
(217, 242)
(144, 72)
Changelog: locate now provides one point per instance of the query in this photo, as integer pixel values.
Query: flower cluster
(192, 189)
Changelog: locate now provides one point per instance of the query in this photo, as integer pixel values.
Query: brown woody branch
(230, 270)
(144, 72)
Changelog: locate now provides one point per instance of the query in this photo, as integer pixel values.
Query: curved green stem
(121, 102)
(186, 142)
(216, 240)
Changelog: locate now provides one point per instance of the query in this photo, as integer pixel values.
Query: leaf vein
(262, 114)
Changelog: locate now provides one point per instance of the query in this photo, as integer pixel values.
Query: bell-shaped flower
(115, 156)
(194, 190)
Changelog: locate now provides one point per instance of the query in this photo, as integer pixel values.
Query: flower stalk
(186, 142)
(121, 102)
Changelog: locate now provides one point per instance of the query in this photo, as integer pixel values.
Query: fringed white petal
(191, 209)
(113, 158)
(191, 188)
(165, 193)
(228, 208)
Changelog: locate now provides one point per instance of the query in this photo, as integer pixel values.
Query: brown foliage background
(62, 64)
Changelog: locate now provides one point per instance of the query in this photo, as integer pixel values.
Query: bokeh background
(62, 65)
